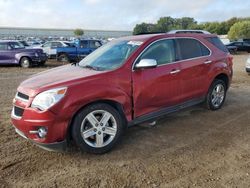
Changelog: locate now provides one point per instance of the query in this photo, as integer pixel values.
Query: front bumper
(41, 58)
(27, 121)
(56, 146)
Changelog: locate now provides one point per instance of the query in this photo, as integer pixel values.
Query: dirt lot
(191, 148)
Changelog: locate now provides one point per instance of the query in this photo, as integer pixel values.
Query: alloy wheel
(98, 128)
(218, 95)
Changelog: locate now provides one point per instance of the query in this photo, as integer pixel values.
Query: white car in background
(248, 65)
(50, 47)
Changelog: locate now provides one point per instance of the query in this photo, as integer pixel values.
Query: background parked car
(50, 47)
(24, 43)
(232, 49)
(81, 49)
(34, 43)
(12, 52)
(241, 45)
(248, 66)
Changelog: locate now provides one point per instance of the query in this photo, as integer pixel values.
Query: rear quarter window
(217, 43)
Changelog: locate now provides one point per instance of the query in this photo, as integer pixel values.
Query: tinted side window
(205, 50)
(190, 48)
(84, 44)
(162, 51)
(3, 46)
(94, 44)
(56, 44)
(246, 44)
(238, 43)
(217, 42)
(47, 44)
(246, 40)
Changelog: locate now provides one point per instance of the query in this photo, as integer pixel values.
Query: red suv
(126, 82)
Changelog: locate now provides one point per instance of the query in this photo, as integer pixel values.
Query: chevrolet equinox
(125, 82)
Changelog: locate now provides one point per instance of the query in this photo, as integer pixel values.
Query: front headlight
(47, 99)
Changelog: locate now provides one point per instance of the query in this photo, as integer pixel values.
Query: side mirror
(146, 64)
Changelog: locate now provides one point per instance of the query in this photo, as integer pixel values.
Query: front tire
(97, 128)
(25, 62)
(42, 63)
(63, 58)
(216, 95)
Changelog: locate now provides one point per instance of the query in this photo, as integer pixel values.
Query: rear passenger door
(194, 58)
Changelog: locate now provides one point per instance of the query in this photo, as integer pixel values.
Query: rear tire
(97, 128)
(63, 58)
(25, 62)
(216, 95)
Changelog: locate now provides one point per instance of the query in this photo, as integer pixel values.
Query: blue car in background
(82, 48)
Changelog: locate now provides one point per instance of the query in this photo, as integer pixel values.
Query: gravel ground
(191, 148)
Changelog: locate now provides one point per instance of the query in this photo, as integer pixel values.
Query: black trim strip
(165, 111)
(22, 95)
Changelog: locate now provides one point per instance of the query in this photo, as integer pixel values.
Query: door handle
(175, 71)
(207, 62)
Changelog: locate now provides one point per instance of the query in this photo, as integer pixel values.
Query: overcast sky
(113, 14)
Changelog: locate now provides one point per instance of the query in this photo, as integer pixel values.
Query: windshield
(110, 56)
(16, 45)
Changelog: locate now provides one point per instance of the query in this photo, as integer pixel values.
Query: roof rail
(146, 33)
(188, 31)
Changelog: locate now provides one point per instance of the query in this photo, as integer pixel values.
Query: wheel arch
(61, 53)
(24, 56)
(224, 77)
(112, 103)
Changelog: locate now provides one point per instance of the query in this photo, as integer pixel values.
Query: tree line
(235, 28)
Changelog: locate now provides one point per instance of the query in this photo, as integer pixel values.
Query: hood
(57, 77)
(29, 50)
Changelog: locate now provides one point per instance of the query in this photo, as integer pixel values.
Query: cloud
(112, 14)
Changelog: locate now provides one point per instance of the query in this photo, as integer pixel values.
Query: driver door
(157, 88)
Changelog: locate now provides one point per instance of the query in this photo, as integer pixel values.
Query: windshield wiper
(90, 67)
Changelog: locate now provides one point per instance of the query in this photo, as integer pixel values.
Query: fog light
(41, 132)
